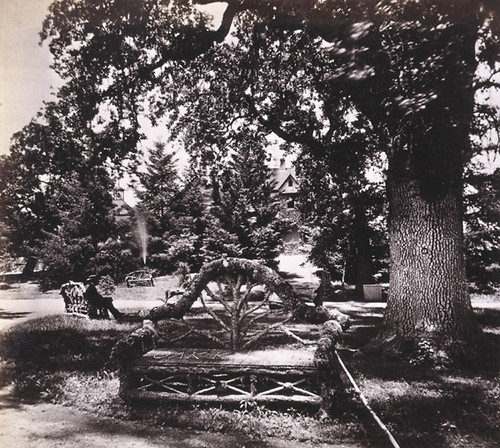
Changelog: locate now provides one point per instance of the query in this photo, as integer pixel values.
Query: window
(291, 204)
(290, 182)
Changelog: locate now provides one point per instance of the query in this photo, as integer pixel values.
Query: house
(286, 189)
(286, 186)
(123, 211)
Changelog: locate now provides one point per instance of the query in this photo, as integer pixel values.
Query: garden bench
(75, 303)
(271, 376)
(233, 349)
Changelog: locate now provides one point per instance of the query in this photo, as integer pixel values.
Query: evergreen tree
(245, 212)
(85, 221)
(189, 221)
(158, 188)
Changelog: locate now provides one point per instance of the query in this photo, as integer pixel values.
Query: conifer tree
(188, 221)
(245, 212)
(158, 188)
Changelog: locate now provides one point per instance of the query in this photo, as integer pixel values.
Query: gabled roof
(281, 175)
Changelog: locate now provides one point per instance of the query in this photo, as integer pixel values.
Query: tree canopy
(407, 73)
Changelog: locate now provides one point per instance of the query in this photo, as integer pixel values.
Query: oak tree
(407, 68)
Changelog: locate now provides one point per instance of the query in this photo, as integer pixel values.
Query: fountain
(142, 233)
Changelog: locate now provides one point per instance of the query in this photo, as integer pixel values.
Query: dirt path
(45, 425)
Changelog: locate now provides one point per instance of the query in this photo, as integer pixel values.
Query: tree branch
(304, 139)
(486, 84)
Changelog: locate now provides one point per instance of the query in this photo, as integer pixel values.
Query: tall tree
(158, 190)
(158, 186)
(185, 239)
(244, 206)
(407, 67)
(56, 192)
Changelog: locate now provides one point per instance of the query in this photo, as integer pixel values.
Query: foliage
(56, 194)
(188, 232)
(171, 208)
(106, 285)
(158, 188)
(245, 213)
(83, 209)
(482, 219)
(406, 71)
(116, 256)
(345, 220)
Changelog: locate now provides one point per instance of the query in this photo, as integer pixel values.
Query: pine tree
(246, 212)
(188, 222)
(158, 188)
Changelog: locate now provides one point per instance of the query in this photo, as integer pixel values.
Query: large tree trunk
(429, 315)
(429, 312)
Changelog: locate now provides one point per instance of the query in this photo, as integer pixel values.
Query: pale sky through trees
(26, 79)
(25, 76)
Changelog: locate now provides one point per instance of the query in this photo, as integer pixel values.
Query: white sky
(25, 77)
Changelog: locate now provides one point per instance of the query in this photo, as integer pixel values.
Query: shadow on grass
(35, 352)
(438, 410)
(423, 406)
(9, 315)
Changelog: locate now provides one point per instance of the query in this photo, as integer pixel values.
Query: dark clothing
(325, 290)
(97, 303)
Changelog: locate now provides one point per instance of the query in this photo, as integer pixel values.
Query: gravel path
(44, 425)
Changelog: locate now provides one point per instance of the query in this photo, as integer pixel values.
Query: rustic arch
(211, 271)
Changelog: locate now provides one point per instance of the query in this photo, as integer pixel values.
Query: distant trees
(201, 217)
(56, 196)
(346, 221)
(158, 190)
(482, 228)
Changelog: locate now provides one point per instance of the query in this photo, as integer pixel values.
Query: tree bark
(428, 298)
(429, 313)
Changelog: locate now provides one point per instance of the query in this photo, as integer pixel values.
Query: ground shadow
(9, 315)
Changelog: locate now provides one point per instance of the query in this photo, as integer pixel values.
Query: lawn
(65, 360)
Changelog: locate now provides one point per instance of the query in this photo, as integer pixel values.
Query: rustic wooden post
(332, 389)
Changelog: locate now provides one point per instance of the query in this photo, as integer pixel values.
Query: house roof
(281, 175)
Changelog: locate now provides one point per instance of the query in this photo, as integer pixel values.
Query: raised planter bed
(221, 376)
(237, 350)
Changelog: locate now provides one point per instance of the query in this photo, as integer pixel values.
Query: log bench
(271, 376)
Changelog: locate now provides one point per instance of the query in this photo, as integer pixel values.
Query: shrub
(37, 351)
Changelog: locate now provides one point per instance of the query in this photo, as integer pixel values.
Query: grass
(65, 360)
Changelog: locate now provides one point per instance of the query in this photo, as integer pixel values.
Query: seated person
(96, 301)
